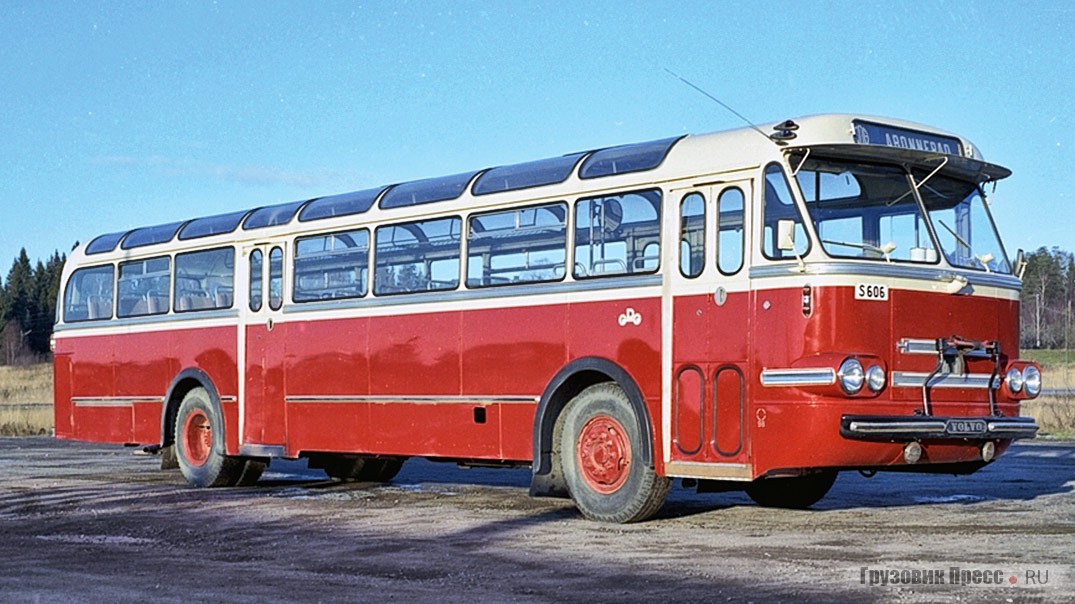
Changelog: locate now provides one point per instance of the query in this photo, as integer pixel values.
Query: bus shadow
(1026, 473)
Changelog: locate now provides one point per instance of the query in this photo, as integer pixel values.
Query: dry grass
(16, 420)
(1054, 414)
(1057, 366)
(31, 384)
(20, 386)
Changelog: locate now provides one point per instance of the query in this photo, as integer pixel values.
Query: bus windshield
(871, 211)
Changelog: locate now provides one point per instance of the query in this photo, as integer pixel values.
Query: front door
(262, 413)
(710, 329)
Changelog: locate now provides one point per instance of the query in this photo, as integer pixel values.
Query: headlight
(1032, 381)
(1015, 380)
(851, 376)
(875, 378)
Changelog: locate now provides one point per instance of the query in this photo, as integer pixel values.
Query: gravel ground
(96, 523)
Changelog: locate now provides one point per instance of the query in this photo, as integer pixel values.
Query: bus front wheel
(600, 454)
(199, 441)
(795, 493)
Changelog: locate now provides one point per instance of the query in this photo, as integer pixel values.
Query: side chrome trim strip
(821, 376)
(415, 400)
(114, 401)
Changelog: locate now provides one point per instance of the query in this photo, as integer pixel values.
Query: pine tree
(19, 309)
(28, 307)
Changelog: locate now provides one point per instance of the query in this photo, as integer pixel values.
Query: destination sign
(868, 133)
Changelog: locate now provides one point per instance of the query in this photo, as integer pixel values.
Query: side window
(276, 278)
(528, 245)
(143, 287)
(618, 234)
(204, 280)
(692, 235)
(88, 295)
(332, 267)
(780, 205)
(256, 276)
(417, 257)
(730, 232)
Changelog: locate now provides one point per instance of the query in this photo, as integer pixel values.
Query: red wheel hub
(197, 437)
(604, 454)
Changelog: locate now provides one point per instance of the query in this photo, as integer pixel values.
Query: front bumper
(902, 428)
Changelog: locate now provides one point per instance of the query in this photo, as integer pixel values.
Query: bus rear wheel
(794, 493)
(199, 440)
(600, 455)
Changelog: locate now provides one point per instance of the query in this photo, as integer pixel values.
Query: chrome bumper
(896, 428)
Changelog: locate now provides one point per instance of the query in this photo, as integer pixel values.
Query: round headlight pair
(853, 377)
(1028, 380)
(1032, 381)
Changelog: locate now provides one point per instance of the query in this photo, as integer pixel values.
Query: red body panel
(117, 383)
(465, 383)
(454, 384)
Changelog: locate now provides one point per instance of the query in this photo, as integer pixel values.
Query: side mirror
(1020, 264)
(785, 235)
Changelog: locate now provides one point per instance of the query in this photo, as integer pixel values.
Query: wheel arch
(568, 382)
(184, 382)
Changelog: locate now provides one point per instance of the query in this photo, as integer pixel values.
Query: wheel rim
(604, 454)
(197, 438)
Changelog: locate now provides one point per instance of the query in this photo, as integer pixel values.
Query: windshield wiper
(885, 249)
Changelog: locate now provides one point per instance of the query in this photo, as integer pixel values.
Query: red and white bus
(738, 310)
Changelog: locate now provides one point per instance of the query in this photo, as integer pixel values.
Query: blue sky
(123, 114)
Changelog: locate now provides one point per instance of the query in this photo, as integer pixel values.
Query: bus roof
(835, 133)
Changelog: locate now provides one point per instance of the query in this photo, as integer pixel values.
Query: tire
(795, 493)
(252, 469)
(383, 470)
(199, 443)
(600, 456)
(361, 469)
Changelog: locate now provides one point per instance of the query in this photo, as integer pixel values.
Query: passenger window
(692, 235)
(332, 267)
(276, 278)
(618, 234)
(204, 280)
(527, 245)
(417, 257)
(143, 287)
(256, 292)
(780, 205)
(730, 232)
(88, 296)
